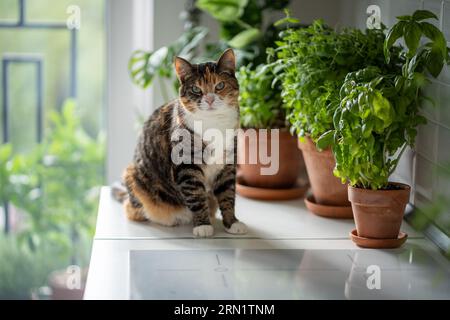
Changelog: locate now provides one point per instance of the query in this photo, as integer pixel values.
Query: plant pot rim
(378, 198)
(376, 243)
(403, 187)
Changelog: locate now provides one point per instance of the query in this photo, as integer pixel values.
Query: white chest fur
(219, 151)
(217, 131)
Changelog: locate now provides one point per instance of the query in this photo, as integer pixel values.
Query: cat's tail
(119, 192)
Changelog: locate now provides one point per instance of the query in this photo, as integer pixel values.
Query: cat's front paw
(237, 228)
(203, 231)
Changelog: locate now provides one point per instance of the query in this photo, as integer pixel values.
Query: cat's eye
(196, 90)
(220, 85)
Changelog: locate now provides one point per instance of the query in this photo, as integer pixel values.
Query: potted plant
(261, 110)
(376, 120)
(311, 64)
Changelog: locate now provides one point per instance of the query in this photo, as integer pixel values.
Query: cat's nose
(209, 98)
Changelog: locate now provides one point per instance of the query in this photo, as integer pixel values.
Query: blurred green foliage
(242, 27)
(436, 213)
(51, 187)
(144, 66)
(260, 104)
(245, 26)
(21, 268)
(56, 187)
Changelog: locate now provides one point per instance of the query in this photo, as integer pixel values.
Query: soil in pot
(290, 160)
(379, 213)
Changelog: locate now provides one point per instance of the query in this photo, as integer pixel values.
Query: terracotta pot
(289, 162)
(326, 188)
(379, 213)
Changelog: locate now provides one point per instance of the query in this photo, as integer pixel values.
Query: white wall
(167, 27)
(129, 27)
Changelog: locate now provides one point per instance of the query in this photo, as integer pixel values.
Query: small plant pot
(326, 188)
(379, 213)
(290, 161)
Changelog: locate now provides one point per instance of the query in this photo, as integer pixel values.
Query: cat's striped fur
(171, 194)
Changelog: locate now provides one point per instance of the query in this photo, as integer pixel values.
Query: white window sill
(323, 259)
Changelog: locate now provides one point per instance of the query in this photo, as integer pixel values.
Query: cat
(170, 194)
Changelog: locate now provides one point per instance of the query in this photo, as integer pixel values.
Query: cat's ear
(227, 62)
(183, 68)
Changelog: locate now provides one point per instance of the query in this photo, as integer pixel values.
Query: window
(52, 131)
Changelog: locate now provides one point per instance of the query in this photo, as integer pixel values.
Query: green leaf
(393, 35)
(435, 62)
(223, 10)
(404, 18)
(382, 108)
(430, 30)
(5, 152)
(413, 32)
(433, 33)
(419, 15)
(287, 20)
(156, 59)
(244, 38)
(325, 139)
(194, 39)
(139, 72)
(413, 64)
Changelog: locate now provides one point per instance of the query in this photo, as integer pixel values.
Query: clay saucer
(378, 243)
(295, 192)
(336, 212)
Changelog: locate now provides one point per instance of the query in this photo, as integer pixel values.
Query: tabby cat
(170, 194)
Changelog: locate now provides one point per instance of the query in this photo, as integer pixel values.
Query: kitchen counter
(288, 253)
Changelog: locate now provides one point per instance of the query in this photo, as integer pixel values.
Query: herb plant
(379, 110)
(312, 63)
(260, 104)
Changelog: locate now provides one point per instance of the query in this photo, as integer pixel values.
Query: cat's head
(208, 86)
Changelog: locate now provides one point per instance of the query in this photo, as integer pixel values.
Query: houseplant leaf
(393, 35)
(223, 10)
(419, 15)
(325, 139)
(413, 33)
(244, 38)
